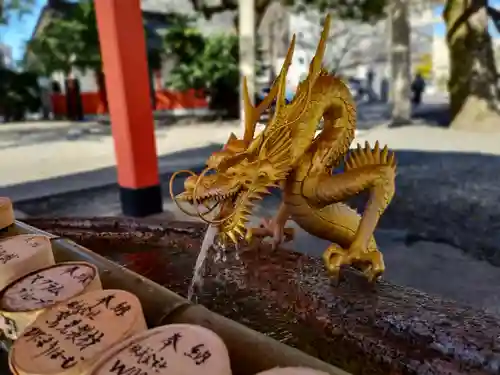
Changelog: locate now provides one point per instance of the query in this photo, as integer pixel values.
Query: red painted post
(123, 50)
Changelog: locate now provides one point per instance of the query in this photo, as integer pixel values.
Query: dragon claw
(334, 258)
(371, 262)
(269, 228)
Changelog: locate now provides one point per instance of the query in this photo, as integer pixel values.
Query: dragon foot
(270, 228)
(371, 262)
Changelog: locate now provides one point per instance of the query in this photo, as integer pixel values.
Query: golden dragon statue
(287, 154)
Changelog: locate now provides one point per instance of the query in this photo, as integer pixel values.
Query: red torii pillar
(123, 51)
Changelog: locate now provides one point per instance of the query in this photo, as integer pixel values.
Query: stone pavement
(62, 157)
(50, 150)
(421, 137)
(43, 151)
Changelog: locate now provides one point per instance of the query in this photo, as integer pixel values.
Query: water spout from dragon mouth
(211, 238)
(197, 279)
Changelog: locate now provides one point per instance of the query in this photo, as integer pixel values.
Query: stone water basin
(362, 328)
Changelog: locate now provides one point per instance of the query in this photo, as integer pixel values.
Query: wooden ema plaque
(70, 336)
(22, 254)
(26, 298)
(292, 371)
(176, 349)
(6, 213)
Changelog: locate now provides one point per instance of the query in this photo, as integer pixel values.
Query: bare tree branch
(494, 14)
(337, 62)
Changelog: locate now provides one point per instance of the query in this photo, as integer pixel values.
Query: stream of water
(197, 279)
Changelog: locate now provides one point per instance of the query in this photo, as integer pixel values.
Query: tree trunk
(101, 88)
(400, 61)
(473, 75)
(74, 108)
(246, 31)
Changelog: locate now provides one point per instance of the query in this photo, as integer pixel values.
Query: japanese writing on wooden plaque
(76, 331)
(48, 286)
(173, 349)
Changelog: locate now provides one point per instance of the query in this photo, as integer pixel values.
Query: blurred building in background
(354, 50)
(155, 15)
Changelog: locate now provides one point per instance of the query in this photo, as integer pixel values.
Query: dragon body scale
(288, 155)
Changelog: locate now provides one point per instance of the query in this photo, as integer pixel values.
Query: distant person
(384, 90)
(417, 87)
(370, 78)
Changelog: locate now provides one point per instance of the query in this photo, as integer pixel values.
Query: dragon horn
(317, 60)
(252, 114)
(315, 69)
(281, 81)
(280, 100)
(232, 137)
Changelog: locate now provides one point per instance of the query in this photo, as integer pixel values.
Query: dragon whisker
(196, 201)
(172, 195)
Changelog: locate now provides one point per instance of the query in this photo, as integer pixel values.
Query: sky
(19, 30)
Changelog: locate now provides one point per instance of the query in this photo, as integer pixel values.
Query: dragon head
(245, 169)
(241, 180)
(232, 147)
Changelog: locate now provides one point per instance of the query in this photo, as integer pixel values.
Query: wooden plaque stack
(27, 297)
(69, 337)
(6, 213)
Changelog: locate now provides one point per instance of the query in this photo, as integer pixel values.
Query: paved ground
(44, 150)
(443, 220)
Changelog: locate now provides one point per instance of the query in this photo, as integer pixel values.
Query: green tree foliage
(83, 21)
(67, 42)
(209, 64)
(184, 41)
(72, 41)
(19, 93)
(51, 52)
(9, 8)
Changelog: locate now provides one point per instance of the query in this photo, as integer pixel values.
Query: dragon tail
(365, 156)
